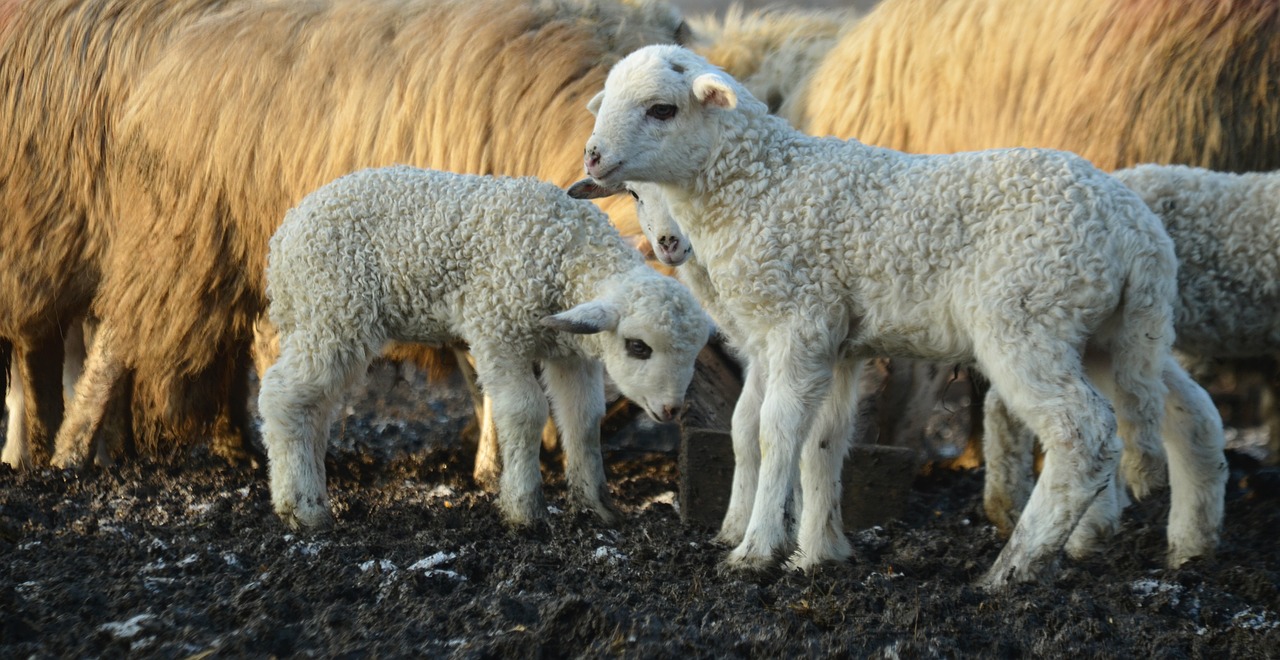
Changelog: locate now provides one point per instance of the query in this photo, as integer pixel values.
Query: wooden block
(876, 480)
(706, 476)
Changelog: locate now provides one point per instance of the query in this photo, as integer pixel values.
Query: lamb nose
(669, 413)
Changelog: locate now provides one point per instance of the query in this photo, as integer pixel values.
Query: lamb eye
(633, 195)
(662, 111)
(638, 349)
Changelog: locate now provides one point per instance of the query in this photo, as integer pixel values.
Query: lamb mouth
(653, 415)
(603, 176)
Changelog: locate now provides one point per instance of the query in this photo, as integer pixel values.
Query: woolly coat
(1226, 232)
(413, 255)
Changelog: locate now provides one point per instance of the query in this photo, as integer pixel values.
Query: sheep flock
(194, 188)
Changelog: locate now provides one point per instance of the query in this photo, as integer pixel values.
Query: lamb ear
(712, 90)
(591, 189)
(593, 106)
(585, 319)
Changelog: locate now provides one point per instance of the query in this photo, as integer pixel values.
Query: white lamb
(1032, 263)
(1226, 234)
(513, 268)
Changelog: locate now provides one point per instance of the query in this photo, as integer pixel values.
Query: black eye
(638, 349)
(662, 111)
(633, 195)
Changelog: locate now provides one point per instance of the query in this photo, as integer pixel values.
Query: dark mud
(183, 557)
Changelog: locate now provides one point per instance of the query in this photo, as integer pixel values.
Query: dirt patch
(177, 558)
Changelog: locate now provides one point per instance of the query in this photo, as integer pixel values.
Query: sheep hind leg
(1009, 451)
(1192, 430)
(1078, 430)
(17, 449)
(90, 417)
(1102, 520)
(297, 401)
(745, 433)
(576, 389)
(487, 470)
(519, 413)
(821, 538)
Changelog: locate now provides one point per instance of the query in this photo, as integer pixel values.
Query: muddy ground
(181, 558)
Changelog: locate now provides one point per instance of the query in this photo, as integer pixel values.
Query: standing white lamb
(1226, 234)
(1032, 263)
(515, 269)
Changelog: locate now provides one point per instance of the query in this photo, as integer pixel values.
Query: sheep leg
(298, 401)
(100, 384)
(1192, 431)
(488, 467)
(519, 413)
(745, 432)
(1009, 450)
(1078, 430)
(786, 417)
(1102, 519)
(576, 389)
(821, 536)
(17, 449)
(37, 364)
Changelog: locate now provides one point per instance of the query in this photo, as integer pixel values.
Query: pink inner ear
(713, 94)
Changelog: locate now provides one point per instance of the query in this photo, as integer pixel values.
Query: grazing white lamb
(515, 269)
(1031, 263)
(1226, 233)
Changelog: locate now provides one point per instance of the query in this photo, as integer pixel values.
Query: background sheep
(65, 66)
(770, 51)
(415, 255)
(1120, 83)
(1226, 233)
(272, 100)
(740, 182)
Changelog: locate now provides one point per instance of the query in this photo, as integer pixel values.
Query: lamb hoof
(525, 511)
(746, 561)
(1144, 473)
(1001, 513)
(731, 535)
(1004, 574)
(305, 515)
(487, 478)
(1179, 555)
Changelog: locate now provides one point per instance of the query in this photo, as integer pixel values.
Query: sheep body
(403, 254)
(1225, 229)
(825, 252)
(65, 68)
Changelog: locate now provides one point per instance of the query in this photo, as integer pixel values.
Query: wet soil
(183, 557)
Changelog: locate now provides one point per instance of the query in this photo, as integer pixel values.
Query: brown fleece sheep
(253, 108)
(64, 67)
(1119, 82)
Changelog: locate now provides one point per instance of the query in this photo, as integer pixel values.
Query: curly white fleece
(825, 251)
(1226, 232)
(514, 269)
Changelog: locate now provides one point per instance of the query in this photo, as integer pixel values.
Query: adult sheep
(514, 268)
(1033, 264)
(1226, 232)
(1120, 83)
(65, 68)
(272, 100)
